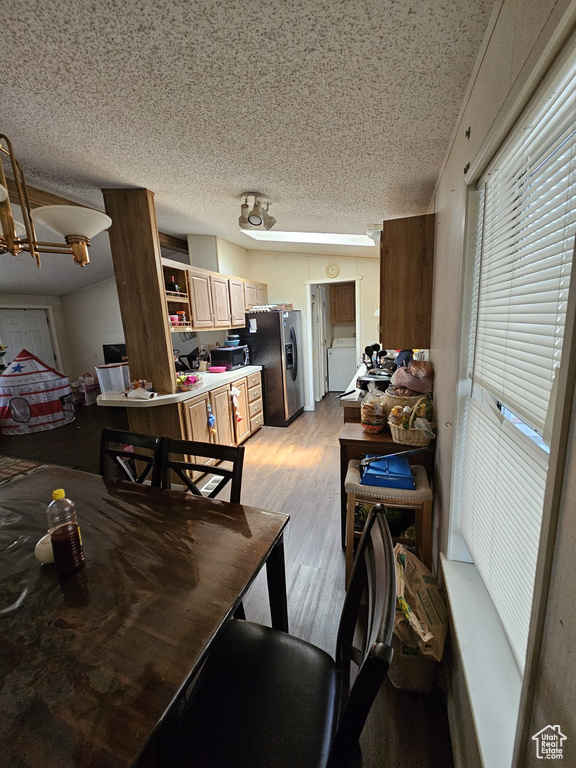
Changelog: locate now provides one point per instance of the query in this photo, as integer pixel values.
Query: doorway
(322, 331)
(26, 329)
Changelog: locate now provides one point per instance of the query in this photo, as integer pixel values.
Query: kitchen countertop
(209, 381)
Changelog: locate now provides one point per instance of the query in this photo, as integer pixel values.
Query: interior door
(322, 360)
(26, 329)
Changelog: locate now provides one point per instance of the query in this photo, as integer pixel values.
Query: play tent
(33, 397)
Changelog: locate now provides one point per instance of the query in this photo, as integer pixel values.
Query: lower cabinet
(241, 417)
(229, 431)
(222, 411)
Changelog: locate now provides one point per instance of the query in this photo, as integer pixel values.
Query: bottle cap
(58, 494)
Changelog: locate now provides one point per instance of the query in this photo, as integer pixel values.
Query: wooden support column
(136, 255)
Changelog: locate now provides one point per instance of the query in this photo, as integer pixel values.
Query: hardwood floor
(75, 445)
(293, 470)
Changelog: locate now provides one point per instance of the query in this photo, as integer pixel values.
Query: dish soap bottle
(65, 533)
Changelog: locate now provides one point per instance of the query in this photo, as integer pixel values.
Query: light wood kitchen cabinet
(242, 427)
(250, 295)
(236, 287)
(261, 294)
(196, 424)
(406, 261)
(342, 303)
(220, 301)
(255, 401)
(222, 410)
(200, 294)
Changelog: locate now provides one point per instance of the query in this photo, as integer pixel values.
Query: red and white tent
(33, 397)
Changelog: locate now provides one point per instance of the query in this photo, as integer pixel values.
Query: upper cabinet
(220, 301)
(261, 294)
(342, 303)
(237, 301)
(197, 299)
(250, 296)
(406, 261)
(201, 299)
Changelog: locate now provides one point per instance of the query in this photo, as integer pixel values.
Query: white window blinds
(526, 222)
(527, 244)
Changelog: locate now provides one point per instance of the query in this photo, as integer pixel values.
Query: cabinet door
(200, 300)
(222, 410)
(242, 427)
(342, 303)
(406, 258)
(261, 293)
(250, 296)
(196, 419)
(237, 302)
(220, 301)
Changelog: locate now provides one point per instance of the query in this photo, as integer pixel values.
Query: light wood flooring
(293, 470)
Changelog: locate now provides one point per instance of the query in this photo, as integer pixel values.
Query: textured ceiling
(340, 111)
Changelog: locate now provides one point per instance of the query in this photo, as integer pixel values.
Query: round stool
(419, 499)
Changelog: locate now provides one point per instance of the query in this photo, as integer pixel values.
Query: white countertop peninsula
(209, 381)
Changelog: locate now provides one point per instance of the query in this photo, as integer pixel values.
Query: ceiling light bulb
(374, 231)
(243, 219)
(268, 220)
(255, 215)
(20, 229)
(3, 193)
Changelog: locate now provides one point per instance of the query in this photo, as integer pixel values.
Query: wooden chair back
(190, 461)
(130, 456)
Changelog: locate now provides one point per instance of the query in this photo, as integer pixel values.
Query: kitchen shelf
(180, 327)
(177, 297)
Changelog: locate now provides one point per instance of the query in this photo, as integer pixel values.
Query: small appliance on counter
(381, 379)
(230, 357)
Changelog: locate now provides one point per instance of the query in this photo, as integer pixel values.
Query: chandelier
(75, 224)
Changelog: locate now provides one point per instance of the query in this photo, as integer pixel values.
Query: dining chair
(130, 456)
(188, 460)
(266, 698)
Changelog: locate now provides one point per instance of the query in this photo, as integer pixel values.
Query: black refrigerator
(274, 341)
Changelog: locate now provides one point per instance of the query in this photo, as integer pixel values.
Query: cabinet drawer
(255, 407)
(253, 379)
(254, 393)
(256, 422)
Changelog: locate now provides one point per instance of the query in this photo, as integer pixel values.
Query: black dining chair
(130, 456)
(189, 460)
(266, 699)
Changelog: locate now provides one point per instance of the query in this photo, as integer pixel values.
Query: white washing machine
(341, 364)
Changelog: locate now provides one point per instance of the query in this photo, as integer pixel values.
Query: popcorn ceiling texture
(340, 110)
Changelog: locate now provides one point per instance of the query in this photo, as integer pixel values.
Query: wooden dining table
(91, 664)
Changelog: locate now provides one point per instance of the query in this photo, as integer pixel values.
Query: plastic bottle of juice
(65, 533)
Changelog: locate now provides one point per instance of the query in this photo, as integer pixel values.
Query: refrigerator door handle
(294, 369)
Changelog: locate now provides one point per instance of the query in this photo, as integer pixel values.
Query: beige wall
(232, 258)
(286, 275)
(58, 327)
(521, 44)
(92, 317)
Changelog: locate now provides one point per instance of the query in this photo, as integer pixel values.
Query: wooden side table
(354, 443)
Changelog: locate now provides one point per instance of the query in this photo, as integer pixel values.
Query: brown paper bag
(421, 618)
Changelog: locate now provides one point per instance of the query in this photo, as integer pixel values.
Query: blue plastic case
(388, 472)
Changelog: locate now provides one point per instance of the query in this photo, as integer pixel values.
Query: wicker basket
(410, 436)
(391, 400)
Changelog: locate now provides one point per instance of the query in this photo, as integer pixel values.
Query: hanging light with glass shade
(75, 224)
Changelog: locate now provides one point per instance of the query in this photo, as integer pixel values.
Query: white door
(26, 329)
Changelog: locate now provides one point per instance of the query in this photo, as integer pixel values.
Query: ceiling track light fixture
(73, 223)
(255, 217)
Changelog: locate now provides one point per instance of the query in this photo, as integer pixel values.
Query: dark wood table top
(90, 663)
